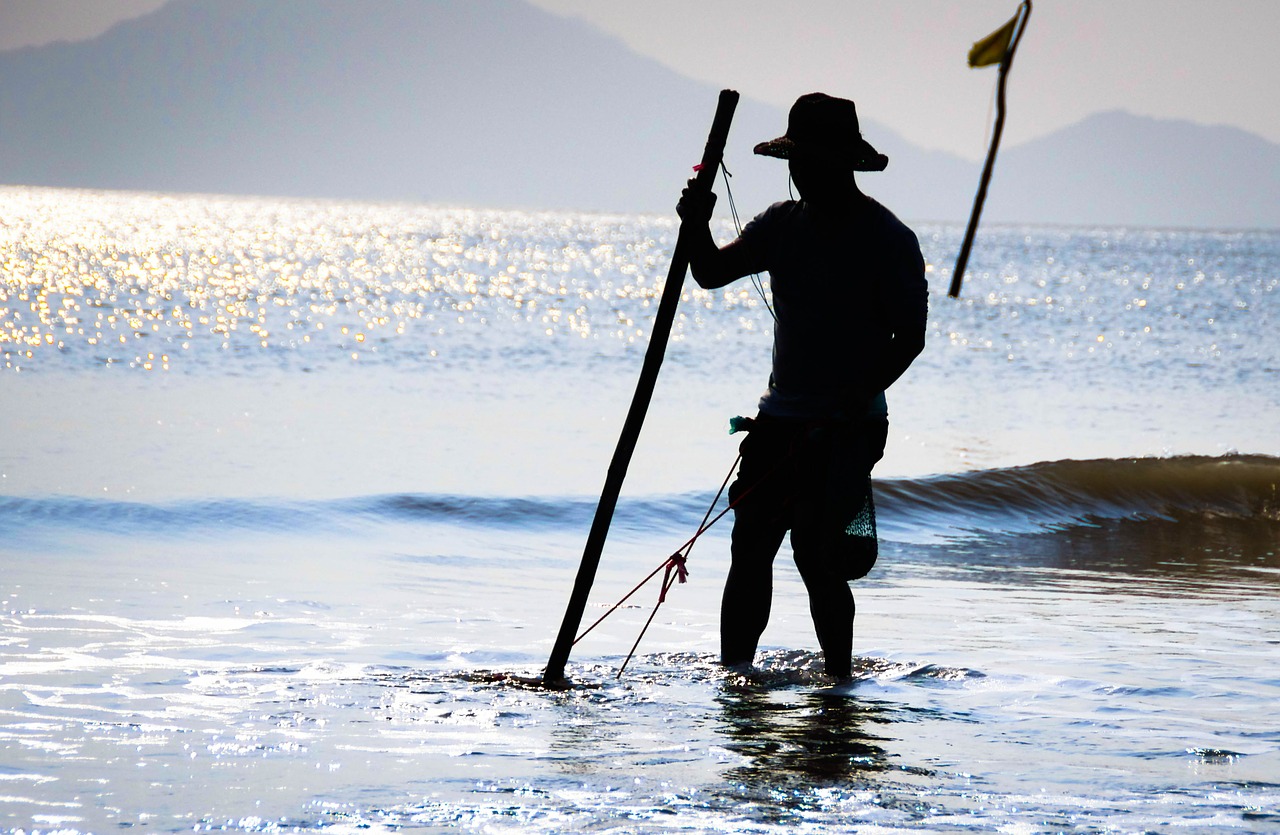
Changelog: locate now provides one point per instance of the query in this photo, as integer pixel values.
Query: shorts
(813, 479)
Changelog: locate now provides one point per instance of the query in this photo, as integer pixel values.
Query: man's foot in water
(839, 676)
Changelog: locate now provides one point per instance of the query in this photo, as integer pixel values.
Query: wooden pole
(705, 177)
(962, 262)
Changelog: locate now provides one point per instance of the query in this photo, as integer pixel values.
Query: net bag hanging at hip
(858, 544)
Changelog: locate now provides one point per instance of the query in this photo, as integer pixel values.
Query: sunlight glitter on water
(114, 274)
(158, 282)
(481, 304)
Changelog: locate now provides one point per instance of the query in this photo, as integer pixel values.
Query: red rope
(618, 605)
(677, 561)
(681, 555)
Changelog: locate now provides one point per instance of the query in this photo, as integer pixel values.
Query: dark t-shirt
(843, 287)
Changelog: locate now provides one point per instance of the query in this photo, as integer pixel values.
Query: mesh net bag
(859, 546)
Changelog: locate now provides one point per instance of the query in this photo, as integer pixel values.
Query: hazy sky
(903, 61)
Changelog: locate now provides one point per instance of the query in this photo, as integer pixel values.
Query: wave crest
(1040, 497)
(1055, 495)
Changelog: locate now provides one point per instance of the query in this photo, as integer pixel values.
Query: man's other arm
(907, 292)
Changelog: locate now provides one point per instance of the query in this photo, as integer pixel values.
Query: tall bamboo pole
(706, 173)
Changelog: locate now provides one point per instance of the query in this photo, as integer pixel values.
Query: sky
(904, 61)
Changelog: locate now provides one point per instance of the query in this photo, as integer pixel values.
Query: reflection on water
(794, 740)
(679, 742)
(1204, 555)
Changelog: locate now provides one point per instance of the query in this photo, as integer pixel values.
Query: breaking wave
(1044, 497)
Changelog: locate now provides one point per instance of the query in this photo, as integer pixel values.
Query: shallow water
(276, 584)
(217, 679)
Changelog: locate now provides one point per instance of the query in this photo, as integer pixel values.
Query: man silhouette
(850, 303)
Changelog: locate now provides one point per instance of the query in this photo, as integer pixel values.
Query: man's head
(823, 130)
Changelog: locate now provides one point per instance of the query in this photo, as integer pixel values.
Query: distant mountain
(489, 102)
(1117, 168)
(498, 103)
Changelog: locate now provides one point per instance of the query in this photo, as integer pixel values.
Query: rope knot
(675, 562)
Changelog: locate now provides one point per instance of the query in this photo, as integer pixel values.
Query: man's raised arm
(712, 266)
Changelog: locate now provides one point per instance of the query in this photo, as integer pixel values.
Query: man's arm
(712, 266)
(903, 349)
(908, 310)
(905, 294)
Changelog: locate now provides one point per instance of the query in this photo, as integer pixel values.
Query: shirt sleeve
(760, 236)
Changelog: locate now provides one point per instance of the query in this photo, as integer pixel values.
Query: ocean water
(290, 490)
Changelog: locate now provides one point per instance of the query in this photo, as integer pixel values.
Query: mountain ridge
(498, 103)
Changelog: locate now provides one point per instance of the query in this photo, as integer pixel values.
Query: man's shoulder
(778, 211)
(900, 248)
(771, 220)
(890, 223)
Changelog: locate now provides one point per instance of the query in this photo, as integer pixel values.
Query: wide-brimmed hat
(824, 127)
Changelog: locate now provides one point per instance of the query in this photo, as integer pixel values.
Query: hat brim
(863, 158)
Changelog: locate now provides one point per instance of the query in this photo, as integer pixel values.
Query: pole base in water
(521, 682)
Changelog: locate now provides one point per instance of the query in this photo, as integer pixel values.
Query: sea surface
(293, 493)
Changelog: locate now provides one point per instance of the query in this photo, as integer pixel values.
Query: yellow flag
(992, 49)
